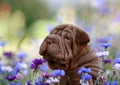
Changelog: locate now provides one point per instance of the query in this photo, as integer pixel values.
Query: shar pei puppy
(67, 47)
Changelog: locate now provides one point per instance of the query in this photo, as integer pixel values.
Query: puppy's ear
(82, 37)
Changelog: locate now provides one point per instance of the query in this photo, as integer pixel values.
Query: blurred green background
(25, 23)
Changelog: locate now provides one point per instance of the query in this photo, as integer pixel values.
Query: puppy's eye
(67, 37)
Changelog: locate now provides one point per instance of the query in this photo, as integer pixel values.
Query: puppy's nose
(46, 43)
(44, 46)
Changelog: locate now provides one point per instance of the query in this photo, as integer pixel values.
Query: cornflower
(106, 45)
(3, 43)
(8, 55)
(85, 77)
(117, 64)
(21, 55)
(10, 78)
(58, 72)
(36, 63)
(111, 83)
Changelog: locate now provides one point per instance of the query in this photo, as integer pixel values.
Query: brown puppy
(66, 47)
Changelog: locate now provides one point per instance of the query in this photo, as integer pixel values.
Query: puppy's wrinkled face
(60, 46)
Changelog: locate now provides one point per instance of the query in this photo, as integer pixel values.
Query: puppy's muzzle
(50, 39)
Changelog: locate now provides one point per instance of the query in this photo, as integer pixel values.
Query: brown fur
(66, 47)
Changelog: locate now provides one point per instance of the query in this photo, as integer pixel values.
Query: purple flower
(3, 43)
(10, 78)
(8, 55)
(84, 70)
(34, 66)
(15, 71)
(58, 72)
(22, 55)
(86, 77)
(101, 78)
(114, 83)
(117, 60)
(38, 80)
(29, 82)
(44, 67)
(36, 63)
(84, 73)
(107, 61)
(17, 68)
(106, 45)
(1, 71)
(44, 84)
(104, 39)
(46, 75)
(111, 83)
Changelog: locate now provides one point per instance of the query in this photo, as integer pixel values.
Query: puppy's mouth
(53, 60)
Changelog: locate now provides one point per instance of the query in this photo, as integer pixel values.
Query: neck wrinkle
(81, 57)
(72, 71)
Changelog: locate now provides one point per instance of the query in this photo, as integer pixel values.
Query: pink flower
(19, 76)
(45, 74)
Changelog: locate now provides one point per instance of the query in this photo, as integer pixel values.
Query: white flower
(108, 72)
(6, 68)
(25, 72)
(83, 82)
(52, 80)
(2, 62)
(117, 66)
(23, 65)
(103, 53)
